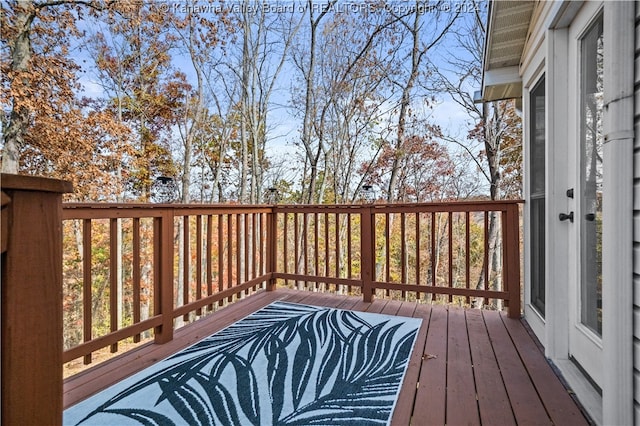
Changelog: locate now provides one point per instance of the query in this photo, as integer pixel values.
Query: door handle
(564, 216)
(590, 217)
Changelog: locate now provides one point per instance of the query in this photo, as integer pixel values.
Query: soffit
(506, 37)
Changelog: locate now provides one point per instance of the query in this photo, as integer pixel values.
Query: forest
(243, 102)
(228, 99)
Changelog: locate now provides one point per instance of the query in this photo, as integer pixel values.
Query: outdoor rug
(287, 364)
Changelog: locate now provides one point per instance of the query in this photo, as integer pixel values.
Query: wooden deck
(468, 366)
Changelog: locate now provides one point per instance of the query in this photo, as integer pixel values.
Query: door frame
(535, 318)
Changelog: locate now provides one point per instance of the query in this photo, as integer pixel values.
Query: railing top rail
(110, 210)
(130, 210)
(172, 206)
(479, 205)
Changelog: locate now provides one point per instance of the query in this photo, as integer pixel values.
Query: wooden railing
(195, 258)
(200, 256)
(180, 262)
(426, 249)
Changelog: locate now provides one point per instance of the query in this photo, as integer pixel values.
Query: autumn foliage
(112, 95)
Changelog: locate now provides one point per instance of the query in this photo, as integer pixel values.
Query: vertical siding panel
(636, 222)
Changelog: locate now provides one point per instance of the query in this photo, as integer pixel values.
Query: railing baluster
(256, 221)
(209, 257)
(485, 266)
(305, 233)
(269, 254)
(338, 251)
(230, 219)
(186, 263)
(387, 249)
(87, 283)
(316, 248)
(285, 245)
(239, 249)
(113, 279)
(268, 244)
(434, 281)
(271, 248)
(247, 259)
(248, 238)
(136, 274)
(349, 250)
(221, 256)
(326, 248)
(467, 252)
(418, 256)
(198, 261)
(296, 244)
(403, 251)
(450, 235)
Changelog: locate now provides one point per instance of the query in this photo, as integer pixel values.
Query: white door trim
(557, 314)
(531, 78)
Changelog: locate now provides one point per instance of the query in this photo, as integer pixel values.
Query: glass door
(537, 173)
(586, 171)
(592, 142)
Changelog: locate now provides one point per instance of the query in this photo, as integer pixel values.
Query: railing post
(163, 275)
(272, 246)
(31, 301)
(511, 244)
(366, 252)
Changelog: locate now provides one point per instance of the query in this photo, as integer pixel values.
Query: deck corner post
(272, 246)
(31, 302)
(163, 275)
(366, 252)
(511, 238)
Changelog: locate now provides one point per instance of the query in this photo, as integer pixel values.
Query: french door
(585, 171)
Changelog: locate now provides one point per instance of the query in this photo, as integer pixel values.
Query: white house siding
(636, 224)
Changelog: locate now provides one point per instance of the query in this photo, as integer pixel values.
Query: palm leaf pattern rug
(287, 364)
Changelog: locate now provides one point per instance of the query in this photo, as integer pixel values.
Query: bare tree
(422, 35)
(343, 65)
(494, 140)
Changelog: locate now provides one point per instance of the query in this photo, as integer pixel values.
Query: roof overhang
(507, 33)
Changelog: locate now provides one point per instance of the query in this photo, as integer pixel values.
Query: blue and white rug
(287, 364)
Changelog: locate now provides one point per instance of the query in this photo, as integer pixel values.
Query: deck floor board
(553, 394)
(462, 406)
(525, 402)
(430, 400)
(406, 398)
(493, 401)
(467, 367)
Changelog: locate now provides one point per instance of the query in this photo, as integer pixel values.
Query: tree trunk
(492, 150)
(416, 56)
(19, 117)
(244, 105)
